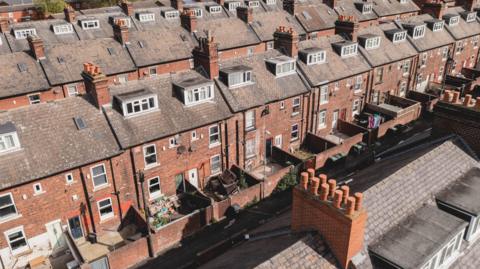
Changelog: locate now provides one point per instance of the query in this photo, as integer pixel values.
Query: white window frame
(172, 142)
(13, 138)
(122, 78)
(322, 119)
(16, 230)
(349, 50)
(212, 134)
(278, 141)
(69, 90)
(316, 57)
(445, 53)
(202, 94)
(295, 132)
(471, 17)
(238, 79)
(37, 189)
(62, 29)
(356, 107)
(109, 215)
(324, 95)
(90, 24)
(453, 20)
(232, 6)
(197, 12)
(36, 101)
(103, 174)
(69, 178)
(282, 105)
(155, 194)
(406, 67)
(399, 37)
(145, 155)
(403, 89)
(213, 161)
(367, 8)
(286, 68)
(438, 26)
(357, 87)
(171, 14)
(194, 136)
(296, 105)
(249, 120)
(146, 17)
(372, 43)
(152, 71)
(10, 216)
(270, 45)
(139, 104)
(215, 9)
(250, 148)
(270, 2)
(24, 33)
(419, 31)
(253, 3)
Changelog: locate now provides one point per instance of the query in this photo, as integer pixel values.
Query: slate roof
(266, 87)
(171, 118)
(350, 8)
(103, 16)
(462, 29)
(4, 47)
(50, 141)
(266, 23)
(385, 8)
(14, 82)
(431, 39)
(315, 16)
(388, 51)
(238, 34)
(64, 62)
(335, 67)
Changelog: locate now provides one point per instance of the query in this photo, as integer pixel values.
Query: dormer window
(8, 138)
(313, 56)
(215, 9)
(193, 91)
(232, 6)
(403, 1)
(125, 20)
(137, 102)
(171, 14)
(236, 76)
(282, 66)
(418, 31)
(469, 16)
(197, 12)
(146, 16)
(452, 20)
(253, 3)
(370, 41)
(65, 28)
(24, 33)
(346, 49)
(438, 26)
(365, 8)
(270, 2)
(399, 37)
(90, 24)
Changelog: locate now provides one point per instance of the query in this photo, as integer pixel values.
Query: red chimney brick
(347, 25)
(69, 14)
(36, 47)
(4, 28)
(177, 4)
(96, 84)
(188, 20)
(446, 96)
(127, 7)
(436, 9)
(342, 227)
(206, 55)
(120, 32)
(220, 2)
(245, 14)
(286, 40)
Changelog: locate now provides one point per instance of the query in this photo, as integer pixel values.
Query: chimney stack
(341, 225)
(347, 25)
(290, 6)
(467, 100)
(477, 103)
(177, 4)
(206, 55)
(286, 41)
(331, 3)
(188, 20)
(436, 9)
(69, 14)
(127, 7)
(470, 5)
(245, 14)
(120, 32)
(96, 84)
(4, 28)
(36, 47)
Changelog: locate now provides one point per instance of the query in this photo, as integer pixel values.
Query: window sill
(251, 129)
(101, 187)
(70, 183)
(106, 219)
(10, 218)
(294, 139)
(215, 173)
(295, 114)
(23, 252)
(250, 157)
(324, 103)
(151, 166)
(322, 127)
(214, 145)
(155, 196)
(39, 193)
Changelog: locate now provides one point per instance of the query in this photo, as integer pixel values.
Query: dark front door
(268, 148)
(75, 227)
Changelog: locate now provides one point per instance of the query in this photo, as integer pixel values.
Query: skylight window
(24, 33)
(62, 29)
(418, 31)
(215, 9)
(146, 16)
(90, 24)
(22, 67)
(80, 123)
(171, 14)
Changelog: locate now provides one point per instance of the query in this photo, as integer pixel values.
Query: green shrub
(287, 182)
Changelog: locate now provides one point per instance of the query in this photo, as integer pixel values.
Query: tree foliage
(50, 6)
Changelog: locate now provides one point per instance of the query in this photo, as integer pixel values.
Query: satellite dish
(181, 149)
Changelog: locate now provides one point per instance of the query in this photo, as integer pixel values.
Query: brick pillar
(341, 226)
(206, 55)
(120, 32)
(36, 47)
(127, 8)
(69, 14)
(177, 4)
(286, 41)
(436, 9)
(4, 28)
(188, 20)
(245, 14)
(347, 25)
(96, 84)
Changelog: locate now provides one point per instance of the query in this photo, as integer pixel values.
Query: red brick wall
(434, 64)
(165, 68)
(17, 16)
(243, 51)
(246, 196)
(22, 100)
(468, 57)
(128, 255)
(393, 76)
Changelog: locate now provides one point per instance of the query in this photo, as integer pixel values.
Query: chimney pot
(323, 178)
(337, 199)
(467, 100)
(358, 200)
(304, 178)
(206, 55)
(314, 186)
(324, 191)
(436, 9)
(346, 193)
(350, 205)
(446, 96)
(120, 32)
(456, 97)
(332, 185)
(477, 103)
(96, 84)
(311, 173)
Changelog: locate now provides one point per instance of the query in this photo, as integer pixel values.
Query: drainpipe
(222, 154)
(89, 206)
(117, 192)
(227, 151)
(141, 178)
(135, 179)
(237, 145)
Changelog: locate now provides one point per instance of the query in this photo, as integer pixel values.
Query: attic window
(470, 16)
(349, 50)
(253, 3)
(90, 24)
(270, 2)
(367, 8)
(215, 9)
(237, 76)
(197, 11)
(8, 138)
(418, 31)
(313, 56)
(198, 94)
(146, 17)
(452, 21)
(232, 6)
(138, 105)
(372, 43)
(171, 14)
(403, 1)
(282, 66)
(61, 29)
(399, 37)
(438, 26)
(24, 33)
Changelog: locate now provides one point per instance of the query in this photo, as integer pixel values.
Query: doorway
(55, 235)
(193, 177)
(335, 119)
(75, 226)
(268, 148)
